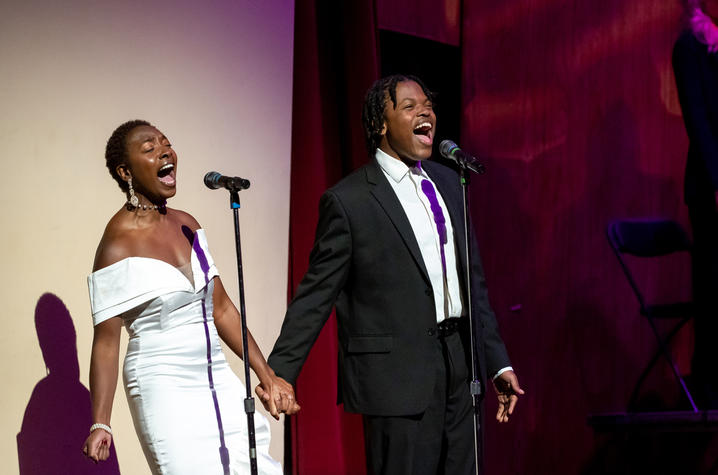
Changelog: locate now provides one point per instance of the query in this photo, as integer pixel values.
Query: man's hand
(507, 389)
(277, 397)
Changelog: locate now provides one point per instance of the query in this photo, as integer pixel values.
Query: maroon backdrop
(334, 63)
(573, 105)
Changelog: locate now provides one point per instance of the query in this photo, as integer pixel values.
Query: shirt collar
(393, 167)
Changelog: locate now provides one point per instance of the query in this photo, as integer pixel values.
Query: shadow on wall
(58, 415)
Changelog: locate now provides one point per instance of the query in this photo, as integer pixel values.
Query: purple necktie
(428, 188)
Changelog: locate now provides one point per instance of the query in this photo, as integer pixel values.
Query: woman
(695, 64)
(153, 272)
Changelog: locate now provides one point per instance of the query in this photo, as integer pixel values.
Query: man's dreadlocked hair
(116, 150)
(374, 103)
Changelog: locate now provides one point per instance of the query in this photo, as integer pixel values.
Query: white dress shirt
(406, 183)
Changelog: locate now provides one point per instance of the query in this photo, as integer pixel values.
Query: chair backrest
(645, 238)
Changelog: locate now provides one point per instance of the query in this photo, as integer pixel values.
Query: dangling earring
(133, 198)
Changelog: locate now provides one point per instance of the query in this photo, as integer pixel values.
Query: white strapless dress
(187, 404)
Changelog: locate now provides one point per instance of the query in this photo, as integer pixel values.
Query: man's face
(409, 127)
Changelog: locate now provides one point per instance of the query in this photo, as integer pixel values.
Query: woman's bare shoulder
(115, 245)
(123, 238)
(184, 219)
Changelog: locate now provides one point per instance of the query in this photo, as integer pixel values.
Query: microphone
(452, 151)
(215, 180)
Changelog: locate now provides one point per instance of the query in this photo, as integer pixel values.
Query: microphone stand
(249, 401)
(475, 386)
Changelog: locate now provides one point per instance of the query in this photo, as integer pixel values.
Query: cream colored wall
(216, 78)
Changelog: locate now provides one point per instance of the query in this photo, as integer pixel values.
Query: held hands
(507, 389)
(97, 445)
(277, 396)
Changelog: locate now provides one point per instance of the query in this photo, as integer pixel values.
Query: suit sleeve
(687, 60)
(494, 349)
(317, 292)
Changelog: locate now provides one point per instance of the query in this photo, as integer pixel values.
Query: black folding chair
(653, 238)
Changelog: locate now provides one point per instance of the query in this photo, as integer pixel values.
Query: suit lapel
(384, 194)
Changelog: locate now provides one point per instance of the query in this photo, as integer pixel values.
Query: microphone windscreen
(446, 147)
(211, 180)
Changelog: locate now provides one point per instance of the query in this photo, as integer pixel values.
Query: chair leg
(663, 349)
(639, 383)
(654, 359)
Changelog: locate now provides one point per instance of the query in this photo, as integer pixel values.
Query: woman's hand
(97, 445)
(277, 396)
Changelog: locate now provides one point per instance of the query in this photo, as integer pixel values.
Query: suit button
(428, 292)
(431, 332)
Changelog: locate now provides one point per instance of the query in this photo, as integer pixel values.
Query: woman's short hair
(116, 149)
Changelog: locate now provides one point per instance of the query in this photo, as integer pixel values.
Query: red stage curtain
(573, 104)
(437, 20)
(574, 107)
(334, 64)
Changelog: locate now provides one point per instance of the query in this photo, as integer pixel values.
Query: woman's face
(151, 162)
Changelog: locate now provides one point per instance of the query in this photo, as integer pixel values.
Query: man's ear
(123, 172)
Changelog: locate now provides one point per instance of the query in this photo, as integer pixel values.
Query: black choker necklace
(131, 206)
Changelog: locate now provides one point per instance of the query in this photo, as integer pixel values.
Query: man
(388, 253)
(696, 72)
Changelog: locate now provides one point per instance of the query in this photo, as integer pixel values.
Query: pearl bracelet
(104, 427)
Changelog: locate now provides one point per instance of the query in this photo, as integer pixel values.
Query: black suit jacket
(366, 261)
(696, 73)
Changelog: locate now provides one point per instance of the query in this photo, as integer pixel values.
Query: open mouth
(166, 174)
(425, 133)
